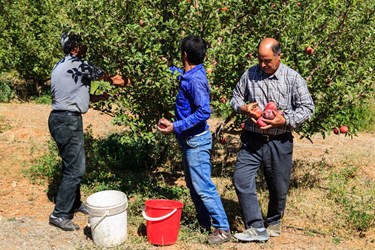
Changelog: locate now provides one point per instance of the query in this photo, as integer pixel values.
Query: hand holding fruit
(165, 126)
(117, 80)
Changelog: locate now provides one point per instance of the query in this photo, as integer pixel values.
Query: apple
(243, 126)
(344, 129)
(209, 70)
(309, 50)
(280, 112)
(161, 124)
(298, 4)
(268, 114)
(261, 123)
(250, 55)
(223, 99)
(258, 112)
(224, 8)
(141, 22)
(271, 105)
(336, 131)
(223, 140)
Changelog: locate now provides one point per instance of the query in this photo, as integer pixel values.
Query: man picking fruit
(70, 89)
(267, 143)
(195, 139)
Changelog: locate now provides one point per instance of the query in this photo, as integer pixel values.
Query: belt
(267, 138)
(66, 112)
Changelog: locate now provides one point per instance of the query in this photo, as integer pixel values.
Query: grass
(328, 199)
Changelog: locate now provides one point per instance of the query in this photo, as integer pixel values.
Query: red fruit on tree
(309, 50)
(223, 99)
(344, 129)
(271, 105)
(224, 8)
(261, 123)
(223, 140)
(141, 22)
(243, 126)
(209, 70)
(268, 114)
(250, 55)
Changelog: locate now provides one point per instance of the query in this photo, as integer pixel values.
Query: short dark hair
(73, 41)
(276, 49)
(195, 48)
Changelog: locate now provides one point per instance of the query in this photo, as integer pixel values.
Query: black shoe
(83, 209)
(63, 223)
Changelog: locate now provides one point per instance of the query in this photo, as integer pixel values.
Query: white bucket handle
(100, 220)
(158, 218)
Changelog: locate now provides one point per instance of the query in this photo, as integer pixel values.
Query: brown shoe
(219, 236)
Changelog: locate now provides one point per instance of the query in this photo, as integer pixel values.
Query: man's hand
(165, 126)
(248, 109)
(278, 121)
(117, 80)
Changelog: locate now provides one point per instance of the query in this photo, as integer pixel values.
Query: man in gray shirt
(70, 89)
(270, 146)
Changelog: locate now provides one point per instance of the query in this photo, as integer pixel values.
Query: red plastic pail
(162, 221)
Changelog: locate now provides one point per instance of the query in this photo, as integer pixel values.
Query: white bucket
(108, 217)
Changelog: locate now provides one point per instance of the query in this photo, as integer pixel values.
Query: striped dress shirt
(285, 87)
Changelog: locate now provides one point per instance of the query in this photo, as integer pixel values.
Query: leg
(244, 180)
(277, 171)
(67, 131)
(198, 164)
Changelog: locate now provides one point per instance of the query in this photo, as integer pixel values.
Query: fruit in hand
(161, 124)
(261, 123)
(258, 112)
(268, 114)
(344, 129)
(271, 105)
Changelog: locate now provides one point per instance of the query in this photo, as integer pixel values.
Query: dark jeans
(67, 131)
(275, 156)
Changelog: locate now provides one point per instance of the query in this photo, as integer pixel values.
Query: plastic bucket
(163, 221)
(108, 217)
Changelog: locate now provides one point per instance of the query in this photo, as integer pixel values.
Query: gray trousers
(274, 154)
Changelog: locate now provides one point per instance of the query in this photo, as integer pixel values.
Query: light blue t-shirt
(70, 84)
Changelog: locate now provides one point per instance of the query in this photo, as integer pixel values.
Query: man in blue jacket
(193, 134)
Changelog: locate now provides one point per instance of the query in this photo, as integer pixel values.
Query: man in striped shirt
(270, 146)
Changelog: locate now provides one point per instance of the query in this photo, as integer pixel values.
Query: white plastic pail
(108, 217)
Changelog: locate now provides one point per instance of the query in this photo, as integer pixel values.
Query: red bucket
(163, 221)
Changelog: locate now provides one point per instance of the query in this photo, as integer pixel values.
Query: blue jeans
(67, 131)
(276, 158)
(196, 156)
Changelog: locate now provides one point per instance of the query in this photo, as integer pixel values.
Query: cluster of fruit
(267, 113)
(342, 130)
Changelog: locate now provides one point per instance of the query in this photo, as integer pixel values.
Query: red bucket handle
(158, 218)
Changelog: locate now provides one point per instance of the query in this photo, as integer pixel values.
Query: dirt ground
(24, 206)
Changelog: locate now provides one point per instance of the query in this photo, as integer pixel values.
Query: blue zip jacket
(192, 103)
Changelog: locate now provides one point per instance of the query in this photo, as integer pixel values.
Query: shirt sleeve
(302, 103)
(239, 94)
(200, 105)
(89, 70)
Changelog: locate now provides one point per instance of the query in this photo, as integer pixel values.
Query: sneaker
(274, 230)
(83, 209)
(252, 234)
(63, 223)
(219, 236)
